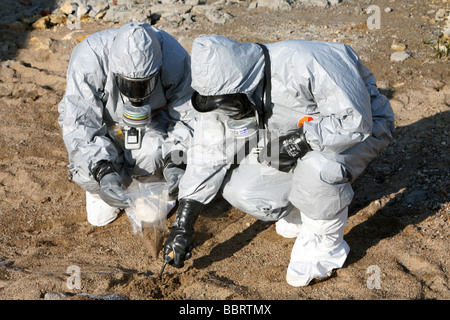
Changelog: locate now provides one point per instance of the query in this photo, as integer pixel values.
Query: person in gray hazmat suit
(319, 120)
(125, 114)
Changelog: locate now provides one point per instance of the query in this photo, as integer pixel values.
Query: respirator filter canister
(243, 128)
(136, 116)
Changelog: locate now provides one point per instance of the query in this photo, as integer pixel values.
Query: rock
(218, 17)
(68, 8)
(42, 23)
(82, 9)
(319, 3)
(441, 13)
(98, 11)
(45, 44)
(446, 33)
(441, 48)
(172, 17)
(121, 14)
(55, 296)
(334, 2)
(400, 56)
(398, 46)
(202, 9)
(62, 295)
(70, 36)
(56, 18)
(271, 4)
(192, 2)
(111, 296)
(383, 85)
(187, 18)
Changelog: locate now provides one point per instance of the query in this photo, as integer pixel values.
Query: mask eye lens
(136, 89)
(235, 106)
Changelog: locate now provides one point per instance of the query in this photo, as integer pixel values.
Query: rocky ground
(398, 227)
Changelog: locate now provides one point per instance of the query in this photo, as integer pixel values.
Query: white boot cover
(99, 213)
(319, 248)
(289, 226)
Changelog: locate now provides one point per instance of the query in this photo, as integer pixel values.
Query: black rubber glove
(291, 147)
(174, 167)
(181, 234)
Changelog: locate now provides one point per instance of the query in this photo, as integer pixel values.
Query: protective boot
(290, 225)
(319, 248)
(181, 234)
(99, 213)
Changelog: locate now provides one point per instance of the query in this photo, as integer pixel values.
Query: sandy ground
(398, 227)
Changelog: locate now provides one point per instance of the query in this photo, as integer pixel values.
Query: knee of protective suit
(259, 191)
(320, 187)
(99, 213)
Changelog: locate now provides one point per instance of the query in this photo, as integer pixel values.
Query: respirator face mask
(243, 117)
(136, 111)
(136, 89)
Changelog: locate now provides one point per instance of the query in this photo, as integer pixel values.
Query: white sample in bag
(149, 206)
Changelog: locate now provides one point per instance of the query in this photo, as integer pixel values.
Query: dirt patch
(398, 227)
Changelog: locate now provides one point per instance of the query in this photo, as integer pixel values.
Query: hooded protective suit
(91, 111)
(322, 87)
(349, 121)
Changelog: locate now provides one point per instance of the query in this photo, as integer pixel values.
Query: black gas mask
(136, 89)
(136, 111)
(243, 116)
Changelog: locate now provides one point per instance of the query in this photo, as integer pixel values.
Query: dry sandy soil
(398, 227)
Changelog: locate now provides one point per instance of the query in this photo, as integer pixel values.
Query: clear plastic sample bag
(149, 206)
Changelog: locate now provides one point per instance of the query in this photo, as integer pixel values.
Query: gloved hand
(110, 181)
(180, 238)
(173, 172)
(111, 191)
(291, 147)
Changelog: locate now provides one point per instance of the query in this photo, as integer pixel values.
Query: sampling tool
(166, 260)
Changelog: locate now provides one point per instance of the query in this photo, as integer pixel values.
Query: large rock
(122, 14)
(218, 17)
(202, 9)
(68, 8)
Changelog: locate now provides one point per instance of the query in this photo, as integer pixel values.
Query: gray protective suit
(349, 122)
(91, 109)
